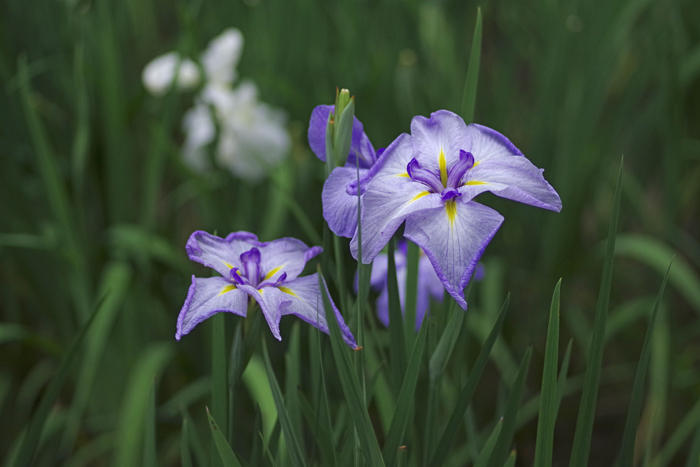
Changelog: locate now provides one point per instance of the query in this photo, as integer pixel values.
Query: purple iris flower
(429, 284)
(340, 189)
(429, 180)
(266, 271)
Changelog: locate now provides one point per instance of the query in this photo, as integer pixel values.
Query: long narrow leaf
(510, 418)
(635, 410)
(351, 387)
(150, 452)
(586, 414)
(548, 401)
(290, 436)
(396, 329)
(30, 443)
(219, 373)
(470, 84)
(487, 450)
(185, 457)
(228, 458)
(405, 399)
(465, 397)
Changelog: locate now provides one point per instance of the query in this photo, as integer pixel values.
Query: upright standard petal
(301, 298)
(317, 132)
(454, 237)
(285, 256)
(206, 297)
(217, 253)
(222, 55)
(390, 197)
(339, 206)
(159, 74)
(437, 141)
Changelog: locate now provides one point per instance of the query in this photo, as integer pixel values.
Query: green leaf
(351, 387)
(219, 372)
(133, 420)
(411, 297)
(694, 454)
(442, 353)
(510, 462)
(31, 439)
(185, 457)
(586, 414)
(322, 434)
(487, 450)
(510, 418)
(635, 410)
(150, 451)
(290, 435)
(342, 134)
(405, 399)
(548, 401)
(465, 397)
(228, 458)
(563, 373)
(470, 84)
(397, 346)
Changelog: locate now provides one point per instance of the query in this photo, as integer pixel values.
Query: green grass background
(94, 197)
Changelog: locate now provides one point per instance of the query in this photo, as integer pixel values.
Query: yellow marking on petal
(272, 273)
(476, 182)
(405, 174)
(443, 167)
(227, 288)
(451, 210)
(419, 195)
(476, 163)
(227, 265)
(288, 291)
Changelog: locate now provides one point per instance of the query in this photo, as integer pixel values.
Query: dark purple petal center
(251, 266)
(458, 170)
(419, 174)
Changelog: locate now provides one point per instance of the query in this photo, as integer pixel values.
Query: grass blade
(487, 450)
(470, 84)
(397, 344)
(351, 387)
(405, 399)
(548, 401)
(442, 353)
(635, 410)
(150, 451)
(563, 373)
(465, 397)
(290, 436)
(321, 434)
(586, 414)
(185, 457)
(228, 458)
(510, 418)
(30, 443)
(219, 374)
(411, 297)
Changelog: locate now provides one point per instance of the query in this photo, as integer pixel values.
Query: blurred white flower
(221, 57)
(252, 136)
(158, 75)
(199, 127)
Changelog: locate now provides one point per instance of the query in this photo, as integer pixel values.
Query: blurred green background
(94, 195)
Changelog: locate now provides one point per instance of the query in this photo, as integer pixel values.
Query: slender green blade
(397, 345)
(510, 462)
(439, 359)
(219, 374)
(487, 450)
(510, 418)
(465, 397)
(133, 420)
(548, 400)
(410, 300)
(292, 383)
(470, 84)
(586, 414)
(405, 399)
(694, 455)
(563, 373)
(635, 410)
(290, 435)
(228, 458)
(351, 387)
(185, 456)
(31, 439)
(322, 433)
(150, 452)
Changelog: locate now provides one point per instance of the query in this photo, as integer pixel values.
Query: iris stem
(411, 294)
